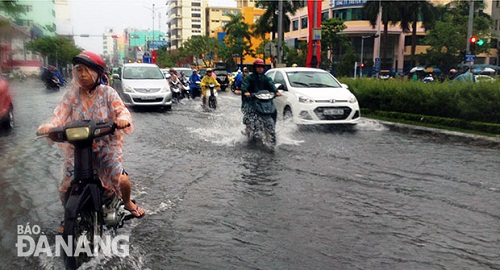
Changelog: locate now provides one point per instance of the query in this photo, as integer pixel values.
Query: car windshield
(187, 72)
(142, 73)
(312, 79)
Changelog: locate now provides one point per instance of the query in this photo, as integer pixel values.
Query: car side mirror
(344, 86)
(167, 76)
(280, 86)
(115, 76)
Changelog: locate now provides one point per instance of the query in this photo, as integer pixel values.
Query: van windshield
(142, 73)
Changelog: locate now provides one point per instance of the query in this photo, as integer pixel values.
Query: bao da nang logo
(32, 242)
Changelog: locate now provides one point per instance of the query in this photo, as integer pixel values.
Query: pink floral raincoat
(103, 104)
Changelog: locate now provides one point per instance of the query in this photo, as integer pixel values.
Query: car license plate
(148, 97)
(333, 112)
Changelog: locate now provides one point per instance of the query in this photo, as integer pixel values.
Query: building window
(196, 20)
(196, 31)
(303, 23)
(195, 25)
(195, 15)
(195, 4)
(295, 25)
(196, 9)
(324, 16)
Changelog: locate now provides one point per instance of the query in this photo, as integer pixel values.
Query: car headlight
(304, 99)
(165, 88)
(353, 99)
(128, 89)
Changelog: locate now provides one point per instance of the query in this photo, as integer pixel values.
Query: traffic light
(480, 42)
(472, 43)
(362, 65)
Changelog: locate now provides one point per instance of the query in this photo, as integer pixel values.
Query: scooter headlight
(77, 133)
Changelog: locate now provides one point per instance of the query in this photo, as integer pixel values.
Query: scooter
(176, 92)
(262, 125)
(197, 90)
(53, 83)
(185, 88)
(88, 205)
(212, 99)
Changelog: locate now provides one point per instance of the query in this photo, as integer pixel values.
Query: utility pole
(280, 30)
(469, 28)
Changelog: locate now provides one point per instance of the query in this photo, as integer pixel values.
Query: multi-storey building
(399, 42)
(185, 18)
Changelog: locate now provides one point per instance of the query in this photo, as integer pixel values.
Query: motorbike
(185, 88)
(197, 90)
(212, 98)
(262, 125)
(176, 91)
(89, 207)
(51, 81)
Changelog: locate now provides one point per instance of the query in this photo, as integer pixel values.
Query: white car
(313, 96)
(141, 84)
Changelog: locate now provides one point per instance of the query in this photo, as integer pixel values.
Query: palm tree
(410, 13)
(268, 22)
(390, 15)
(238, 35)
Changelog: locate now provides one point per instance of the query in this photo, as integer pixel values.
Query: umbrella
(415, 69)
(488, 70)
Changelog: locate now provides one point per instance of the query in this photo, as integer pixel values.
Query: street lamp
(362, 45)
(153, 10)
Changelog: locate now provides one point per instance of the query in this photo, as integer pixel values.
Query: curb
(445, 135)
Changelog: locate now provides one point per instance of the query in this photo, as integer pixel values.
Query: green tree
(332, 40)
(268, 22)
(59, 50)
(11, 8)
(238, 36)
(201, 47)
(390, 15)
(410, 14)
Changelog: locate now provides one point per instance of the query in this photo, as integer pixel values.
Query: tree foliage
(59, 50)
(238, 38)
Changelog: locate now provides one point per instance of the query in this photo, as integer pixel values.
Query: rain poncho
(101, 105)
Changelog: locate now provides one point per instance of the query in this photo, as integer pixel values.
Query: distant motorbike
(185, 88)
(89, 206)
(197, 90)
(262, 125)
(212, 99)
(51, 81)
(176, 91)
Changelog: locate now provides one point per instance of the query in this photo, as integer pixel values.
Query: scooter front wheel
(81, 232)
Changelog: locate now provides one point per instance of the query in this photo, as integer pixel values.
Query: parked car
(222, 78)
(6, 107)
(313, 96)
(142, 84)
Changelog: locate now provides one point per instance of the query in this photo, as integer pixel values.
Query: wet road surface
(326, 199)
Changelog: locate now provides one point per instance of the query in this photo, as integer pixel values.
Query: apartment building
(185, 18)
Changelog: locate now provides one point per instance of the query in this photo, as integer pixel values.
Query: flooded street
(369, 198)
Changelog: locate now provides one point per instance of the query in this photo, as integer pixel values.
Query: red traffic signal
(362, 65)
(473, 39)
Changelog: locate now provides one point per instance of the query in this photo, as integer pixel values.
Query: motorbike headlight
(353, 99)
(128, 89)
(304, 99)
(77, 133)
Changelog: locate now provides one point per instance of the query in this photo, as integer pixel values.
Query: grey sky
(93, 17)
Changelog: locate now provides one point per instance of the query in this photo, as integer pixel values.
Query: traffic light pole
(469, 29)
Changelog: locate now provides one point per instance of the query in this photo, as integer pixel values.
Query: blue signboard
(146, 58)
(377, 65)
(470, 58)
(157, 44)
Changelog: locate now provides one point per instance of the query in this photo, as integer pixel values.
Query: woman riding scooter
(88, 99)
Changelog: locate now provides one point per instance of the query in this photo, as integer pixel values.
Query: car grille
(319, 113)
(147, 90)
(139, 100)
(330, 101)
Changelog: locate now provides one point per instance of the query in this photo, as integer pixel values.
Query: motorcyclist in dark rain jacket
(254, 83)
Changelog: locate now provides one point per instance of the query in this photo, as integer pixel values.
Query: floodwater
(326, 199)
